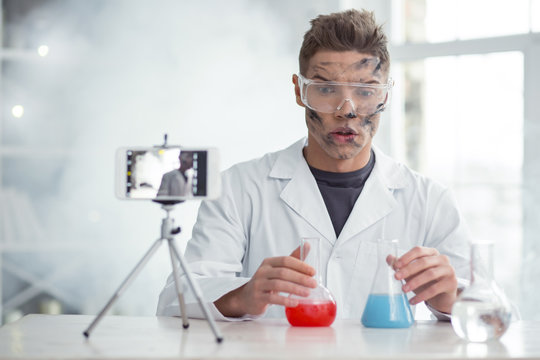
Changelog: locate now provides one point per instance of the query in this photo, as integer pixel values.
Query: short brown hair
(345, 31)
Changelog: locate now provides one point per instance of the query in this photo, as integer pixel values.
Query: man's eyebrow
(318, 68)
(371, 81)
(359, 81)
(319, 77)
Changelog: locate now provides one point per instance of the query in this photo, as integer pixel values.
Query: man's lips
(343, 135)
(344, 131)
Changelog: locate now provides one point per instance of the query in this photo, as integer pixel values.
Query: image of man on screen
(178, 182)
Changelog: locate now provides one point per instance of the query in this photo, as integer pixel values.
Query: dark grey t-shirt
(340, 191)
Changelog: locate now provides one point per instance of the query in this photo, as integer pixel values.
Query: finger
(419, 289)
(301, 252)
(286, 274)
(429, 292)
(390, 260)
(281, 286)
(296, 252)
(418, 266)
(277, 299)
(415, 253)
(427, 276)
(290, 263)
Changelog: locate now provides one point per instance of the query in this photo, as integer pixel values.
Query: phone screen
(166, 173)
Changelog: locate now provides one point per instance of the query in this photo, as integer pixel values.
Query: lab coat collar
(303, 196)
(391, 173)
(302, 193)
(290, 159)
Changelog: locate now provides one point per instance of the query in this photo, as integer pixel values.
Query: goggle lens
(329, 97)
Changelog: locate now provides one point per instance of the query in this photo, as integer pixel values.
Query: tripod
(168, 231)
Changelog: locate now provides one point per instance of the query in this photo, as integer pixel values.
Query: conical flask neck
(310, 252)
(386, 254)
(384, 281)
(481, 262)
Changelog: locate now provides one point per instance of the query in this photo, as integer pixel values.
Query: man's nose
(346, 109)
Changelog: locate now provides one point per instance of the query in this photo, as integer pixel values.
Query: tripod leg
(178, 284)
(124, 285)
(195, 288)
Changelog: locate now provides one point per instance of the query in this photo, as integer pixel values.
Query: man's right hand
(282, 274)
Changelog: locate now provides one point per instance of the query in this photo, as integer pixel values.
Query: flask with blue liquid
(387, 305)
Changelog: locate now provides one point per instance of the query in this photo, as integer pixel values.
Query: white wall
(120, 73)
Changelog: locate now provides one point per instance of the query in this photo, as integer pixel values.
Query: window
(439, 21)
(464, 112)
(463, 126)
(535, 18)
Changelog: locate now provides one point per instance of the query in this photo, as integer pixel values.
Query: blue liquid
(385, 311)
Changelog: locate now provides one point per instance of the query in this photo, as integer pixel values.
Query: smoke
(120, 73)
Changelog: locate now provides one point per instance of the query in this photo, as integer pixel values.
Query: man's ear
(297, 90)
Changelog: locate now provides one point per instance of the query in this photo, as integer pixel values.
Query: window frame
(529, 45)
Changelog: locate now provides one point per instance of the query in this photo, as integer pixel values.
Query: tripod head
(168, 229)
(167, 202)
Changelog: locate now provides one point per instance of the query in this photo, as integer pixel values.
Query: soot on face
(366, 66)
(368, 124)
(357, 71)
(314, 116)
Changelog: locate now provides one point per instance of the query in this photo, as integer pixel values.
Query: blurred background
(81, 78)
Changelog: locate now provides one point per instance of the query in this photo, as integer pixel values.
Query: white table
(60, 337)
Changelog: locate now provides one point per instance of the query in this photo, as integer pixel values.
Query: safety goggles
(329, 96)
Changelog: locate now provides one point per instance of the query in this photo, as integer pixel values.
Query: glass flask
(387, 305)
(482, 311)
(319, 307)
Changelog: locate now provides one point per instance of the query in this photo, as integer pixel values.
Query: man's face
(345, 132)
(186, 160)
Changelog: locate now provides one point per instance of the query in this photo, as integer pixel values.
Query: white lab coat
(267, 204)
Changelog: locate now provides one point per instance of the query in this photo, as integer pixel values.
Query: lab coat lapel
(374, 203)
(301, 192)
(303, 196)
(376, 199)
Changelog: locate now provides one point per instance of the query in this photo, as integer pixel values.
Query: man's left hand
(431, 277)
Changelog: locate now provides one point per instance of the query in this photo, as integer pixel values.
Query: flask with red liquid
(319, 307)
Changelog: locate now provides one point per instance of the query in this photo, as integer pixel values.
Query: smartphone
(167, 174)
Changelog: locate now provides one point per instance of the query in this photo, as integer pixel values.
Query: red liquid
(310, 313)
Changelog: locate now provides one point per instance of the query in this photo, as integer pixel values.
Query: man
(335, 186)
(178, 182)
